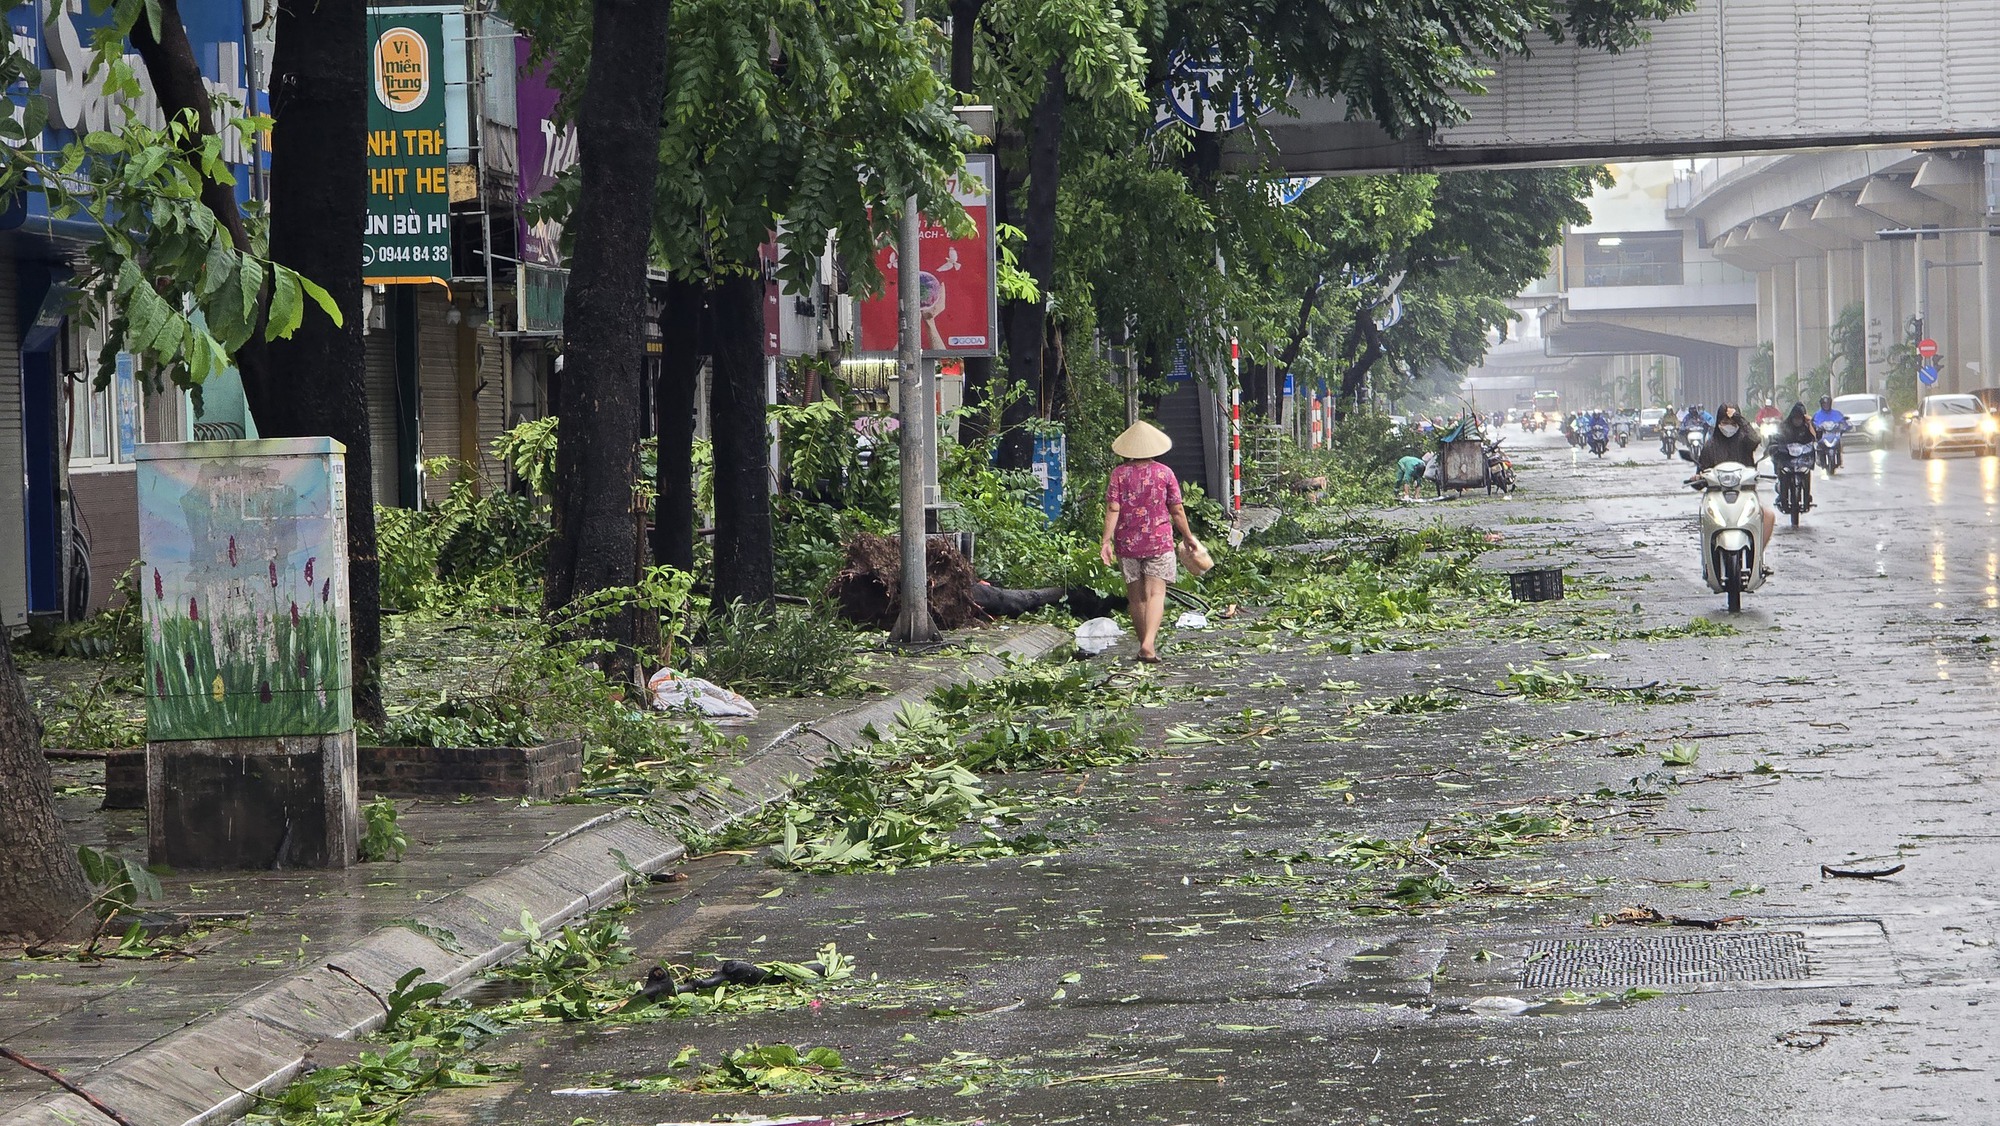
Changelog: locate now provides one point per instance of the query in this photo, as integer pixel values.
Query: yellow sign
(402, 69)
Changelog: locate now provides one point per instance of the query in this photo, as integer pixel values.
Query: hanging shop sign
(408, 238)
(959, 301)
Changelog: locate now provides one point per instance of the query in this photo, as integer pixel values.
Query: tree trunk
(673, 422)
(42, 890)
(1027, 321)
(744, 564)
(1364, 344)
(1297, 342)
(176, 77)
(319, 205)
(597, 446)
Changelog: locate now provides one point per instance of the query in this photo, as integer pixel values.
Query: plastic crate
(1544, 585)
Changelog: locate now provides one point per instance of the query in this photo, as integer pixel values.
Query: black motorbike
(1794, 463)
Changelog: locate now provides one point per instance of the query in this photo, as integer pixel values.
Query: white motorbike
(1732, 528)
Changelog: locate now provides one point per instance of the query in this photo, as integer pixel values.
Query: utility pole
(914, 625)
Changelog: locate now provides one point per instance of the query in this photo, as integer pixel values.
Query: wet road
(1174, 968)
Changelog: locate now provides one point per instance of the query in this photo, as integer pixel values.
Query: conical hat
(1140, 440)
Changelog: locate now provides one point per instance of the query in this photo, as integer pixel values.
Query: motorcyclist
(1826, 414)
(1735, 441)
(1767, 415)
(1670, 421)
(1796, 429)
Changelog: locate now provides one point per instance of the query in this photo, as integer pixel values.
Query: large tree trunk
(1027, 321)
(673, 422)
(595, 546)
(176, 77)
(42, 891)
(744, 562)
(319, 205)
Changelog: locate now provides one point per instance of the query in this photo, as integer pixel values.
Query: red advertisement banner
(958, 299)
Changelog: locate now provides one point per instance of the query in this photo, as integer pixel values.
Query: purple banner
(546, 149)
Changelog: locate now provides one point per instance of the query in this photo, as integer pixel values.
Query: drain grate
(1664, 959)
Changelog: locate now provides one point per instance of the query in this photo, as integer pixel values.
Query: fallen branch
(65, 1084)
(372, 991)
(1858, 873)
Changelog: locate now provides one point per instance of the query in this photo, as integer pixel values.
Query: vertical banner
(408, 237)
(1049, 461)
(960, 303)
(546, 150)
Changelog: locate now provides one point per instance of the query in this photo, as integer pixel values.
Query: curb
(208, 1071)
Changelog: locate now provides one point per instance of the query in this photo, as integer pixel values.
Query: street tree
(617, 113)
(1490, 234)
(186, 290)
(811, 121)
(1061, 73)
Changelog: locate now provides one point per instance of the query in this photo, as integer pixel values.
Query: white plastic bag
(1191, 619)
(1097, 635)
(674, 692)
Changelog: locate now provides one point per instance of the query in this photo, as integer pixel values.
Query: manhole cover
(1664, 959)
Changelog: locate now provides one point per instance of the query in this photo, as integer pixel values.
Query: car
(1649, 421)
(1953, 422)
(1868, 418)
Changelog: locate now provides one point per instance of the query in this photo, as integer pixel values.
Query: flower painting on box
(244, 584)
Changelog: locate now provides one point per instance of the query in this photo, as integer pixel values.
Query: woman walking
(1142, 512)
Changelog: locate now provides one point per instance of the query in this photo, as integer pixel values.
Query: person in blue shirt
(1826, 414)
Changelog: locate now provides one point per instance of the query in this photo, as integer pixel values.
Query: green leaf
(288, 308)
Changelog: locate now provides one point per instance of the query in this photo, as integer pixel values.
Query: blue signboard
(1047, 461)
(78, 104)
(1289, 392)
(1928, 373)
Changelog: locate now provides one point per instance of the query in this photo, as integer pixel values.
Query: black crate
(1545, 585)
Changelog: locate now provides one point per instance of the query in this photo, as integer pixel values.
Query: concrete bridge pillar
(1785, 320)
(1989, 312)
(1843, 288)
(1878, 295)
(1812, 323)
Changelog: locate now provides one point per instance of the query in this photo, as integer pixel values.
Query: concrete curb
(208, 1070)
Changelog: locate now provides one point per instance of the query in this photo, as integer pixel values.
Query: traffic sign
(1926, 348)
(1928, 373)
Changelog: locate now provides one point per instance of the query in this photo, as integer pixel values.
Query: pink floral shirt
(1145, 493)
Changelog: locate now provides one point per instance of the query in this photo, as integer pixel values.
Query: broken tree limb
(1858, 873)
(65, 1084)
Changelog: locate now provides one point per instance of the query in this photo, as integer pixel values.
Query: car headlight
(1878, 424)
(1988, 426)
(1933, 426)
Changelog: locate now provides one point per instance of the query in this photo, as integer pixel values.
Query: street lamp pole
(914, 624)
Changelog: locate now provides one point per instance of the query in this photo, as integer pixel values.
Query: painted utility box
(249, 703)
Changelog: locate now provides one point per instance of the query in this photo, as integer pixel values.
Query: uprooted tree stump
(868, 589)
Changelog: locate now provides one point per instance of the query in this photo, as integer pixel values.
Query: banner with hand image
(959, 303)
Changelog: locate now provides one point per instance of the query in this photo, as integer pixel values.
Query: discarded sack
(673, 692)
(1097, 635)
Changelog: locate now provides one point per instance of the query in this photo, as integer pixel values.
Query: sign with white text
(957, 296)
(408, 238)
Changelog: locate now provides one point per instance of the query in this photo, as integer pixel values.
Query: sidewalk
(178, 1040)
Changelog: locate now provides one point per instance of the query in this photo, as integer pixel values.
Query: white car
(1649, 421)
(1953, 422)
(1868, 418)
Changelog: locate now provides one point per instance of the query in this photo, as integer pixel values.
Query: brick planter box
(125, 779)
(545, 772)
